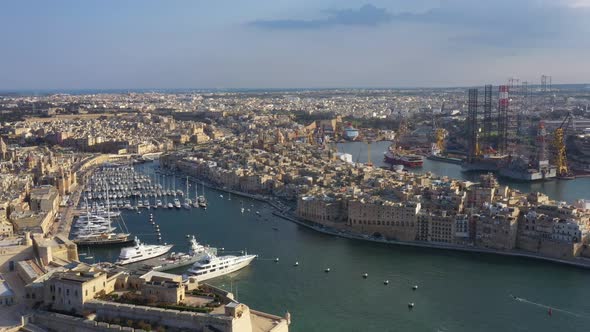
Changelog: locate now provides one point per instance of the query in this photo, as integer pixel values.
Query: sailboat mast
(108, 207)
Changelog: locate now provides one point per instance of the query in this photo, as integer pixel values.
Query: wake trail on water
(523, 300)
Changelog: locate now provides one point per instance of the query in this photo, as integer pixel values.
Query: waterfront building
(325, 210)
(463, 229)
(441, 227)
(550, 235)
(423, 226)
(497, 227)
(389, 219)
(569, 231)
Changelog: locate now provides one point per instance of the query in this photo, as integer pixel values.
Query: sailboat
(187, 201)
(242, 207)
(196, 201)
(229, 199)
(96, 234)
(202, 200)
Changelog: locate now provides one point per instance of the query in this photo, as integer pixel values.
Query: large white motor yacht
(141, 252)
(212, 266)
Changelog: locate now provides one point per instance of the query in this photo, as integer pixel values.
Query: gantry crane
(559, 145)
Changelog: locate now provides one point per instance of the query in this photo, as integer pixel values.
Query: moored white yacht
(141, 252)
(212, 266)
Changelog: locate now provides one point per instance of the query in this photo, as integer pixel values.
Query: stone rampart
(173, 318)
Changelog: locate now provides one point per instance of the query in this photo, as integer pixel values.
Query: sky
(143, 44)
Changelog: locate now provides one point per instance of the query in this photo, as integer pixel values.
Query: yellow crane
(310, 138)
(559, 145)
(369, 163)
(439, 137)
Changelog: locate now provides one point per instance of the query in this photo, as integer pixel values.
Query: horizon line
(58, 90)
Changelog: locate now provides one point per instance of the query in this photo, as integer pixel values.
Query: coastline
(580, 263)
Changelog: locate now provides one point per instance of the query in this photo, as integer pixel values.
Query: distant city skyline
(69, 45)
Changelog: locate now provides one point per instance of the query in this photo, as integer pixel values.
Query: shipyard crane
(559, 145)
(369, 163)
(439, 133)
(310, 139)
(440, 139)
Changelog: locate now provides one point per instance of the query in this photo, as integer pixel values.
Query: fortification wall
(59, 322)
(173, 318)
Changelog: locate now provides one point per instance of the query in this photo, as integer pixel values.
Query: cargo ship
(350, 133)
(402, 158)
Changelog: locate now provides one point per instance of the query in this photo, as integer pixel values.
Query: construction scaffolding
(503, 119)
(473, 129)
(487, 117)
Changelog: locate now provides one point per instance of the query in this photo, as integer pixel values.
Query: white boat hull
(144, 257)
(218, 273)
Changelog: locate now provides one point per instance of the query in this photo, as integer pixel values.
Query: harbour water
(457, 291)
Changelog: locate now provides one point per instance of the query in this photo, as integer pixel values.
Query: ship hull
(98, 241)
(533, 175)
(400, 161)
(106, 242)
(143, 258)
(229, 270)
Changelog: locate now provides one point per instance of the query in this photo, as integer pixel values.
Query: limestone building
(393, 220)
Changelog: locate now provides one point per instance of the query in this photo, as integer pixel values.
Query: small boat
(276, 260)
(296, 264)
(414, 287)
(366, 275)
(327, 270)
(220, 196)
(386, 282)
(411, 305)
